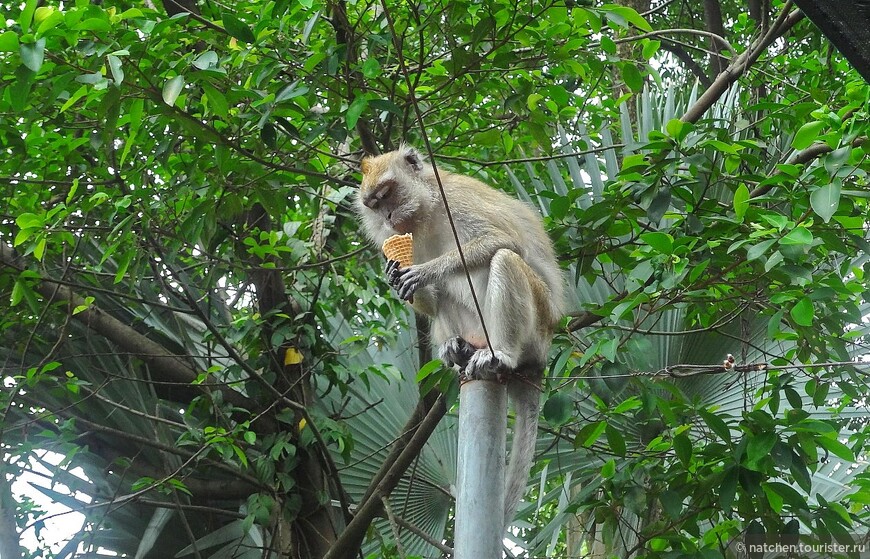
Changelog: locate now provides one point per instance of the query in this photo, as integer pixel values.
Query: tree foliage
(190, 315)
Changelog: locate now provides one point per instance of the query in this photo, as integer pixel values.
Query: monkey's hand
(408, 280)
(392, 273)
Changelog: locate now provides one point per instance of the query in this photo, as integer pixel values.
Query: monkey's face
(385, 198)
(392, 189)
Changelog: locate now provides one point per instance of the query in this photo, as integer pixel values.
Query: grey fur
(513, 268)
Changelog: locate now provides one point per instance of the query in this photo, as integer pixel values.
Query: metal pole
(480, 470)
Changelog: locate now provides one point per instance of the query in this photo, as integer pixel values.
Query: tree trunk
(714, 24)
(9, 540)
(315, 530)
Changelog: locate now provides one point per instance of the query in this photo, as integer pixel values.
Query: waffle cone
(400, 248)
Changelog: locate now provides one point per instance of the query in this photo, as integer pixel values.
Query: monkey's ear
(365, 165)
(413, 158)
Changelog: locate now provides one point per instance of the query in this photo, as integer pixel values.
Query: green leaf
(29, 220)
(806, 134)
(206, 60)
(216, 100)
(836, 448)
(634, 161)
(427, 369)
(789, 495)
(590, 432)
(94, 24)
(650, 48)
(17, 292)
(836, 159)
(677, 129)
(33, 54)
(631, 16)
(607, 45)
(826, 199)
(683, 449)
(371, 68)
(659, 205)
(794, 399)
(558, 409)
(728, 488)
(39, 248)
(135, 121)
(269, 135)
(775, 260)
(773, 498)
(355, 110)
(800, 472)
(615, 440)
(803, 313)
(532, 101)
(671, 503)
(632, 77)
(758, 250)
(717, 425)
(293, 90)
(9, 41)
(608, 469)
(661, 242)
(631, 403)
(26, 17)
(172, 88)
(123, 265)
(741, 201)
(115, 68)
(52, 18)
(798, 236)
(84, 306)
(237, 28)
(760, 446)
(130, 14)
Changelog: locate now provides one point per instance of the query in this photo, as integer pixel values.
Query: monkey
(513, 269)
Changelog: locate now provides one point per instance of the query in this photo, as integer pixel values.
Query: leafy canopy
(190, 315)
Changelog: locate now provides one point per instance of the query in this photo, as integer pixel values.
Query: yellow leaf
(302, 424)
(292, 356)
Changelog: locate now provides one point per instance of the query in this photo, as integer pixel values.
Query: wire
(431, 155)
(682, 371)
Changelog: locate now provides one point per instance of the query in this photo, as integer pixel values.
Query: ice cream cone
(400, 248)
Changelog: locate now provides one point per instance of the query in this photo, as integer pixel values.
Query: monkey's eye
(384, 189)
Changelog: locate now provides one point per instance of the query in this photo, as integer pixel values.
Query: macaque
(510, 259)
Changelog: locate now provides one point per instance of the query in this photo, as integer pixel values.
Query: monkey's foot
(489, 365)
(456, 351)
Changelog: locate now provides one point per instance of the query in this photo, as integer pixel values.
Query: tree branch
(687, 60)
(164, 364)
(800, 158)
(739, 64)
(416, 434)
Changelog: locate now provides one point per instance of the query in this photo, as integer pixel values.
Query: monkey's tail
(525, 396)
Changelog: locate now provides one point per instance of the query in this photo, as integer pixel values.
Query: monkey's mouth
(399, 223)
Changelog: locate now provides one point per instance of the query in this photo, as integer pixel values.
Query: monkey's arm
(477, 252)
(425, 299)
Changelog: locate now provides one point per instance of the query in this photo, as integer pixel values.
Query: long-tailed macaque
(512, 266)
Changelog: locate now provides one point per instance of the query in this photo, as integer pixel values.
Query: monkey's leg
(512, 310)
